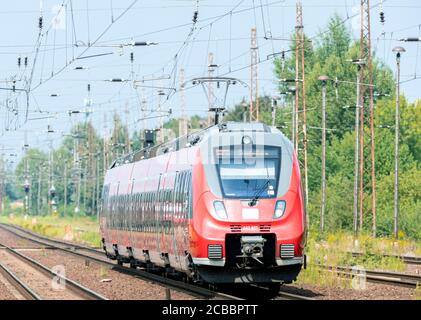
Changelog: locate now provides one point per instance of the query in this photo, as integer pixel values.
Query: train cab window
(248, 173)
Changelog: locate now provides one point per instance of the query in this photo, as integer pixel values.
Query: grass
(418, 292)
(335, 250)
(83, 230)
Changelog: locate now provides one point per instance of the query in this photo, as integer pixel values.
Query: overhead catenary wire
(230, 57)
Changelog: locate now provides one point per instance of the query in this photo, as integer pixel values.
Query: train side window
(183, 196)
(117, 213)
(111, 219)
(179, 189)
(142, 208)
(136, 213)
(113, 214)
(148, 206)
(122, 211)
(139, 212)
(130, 210)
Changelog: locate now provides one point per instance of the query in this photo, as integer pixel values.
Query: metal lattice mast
(182, 126)
(254, 77)
(367, 138)
(300, 77)
(211, 94)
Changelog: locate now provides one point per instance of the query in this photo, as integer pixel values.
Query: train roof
(191, 140)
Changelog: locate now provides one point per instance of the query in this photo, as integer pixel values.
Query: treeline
(330, 57)
(75, 170)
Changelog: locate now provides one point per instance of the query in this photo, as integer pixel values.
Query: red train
(224, 205)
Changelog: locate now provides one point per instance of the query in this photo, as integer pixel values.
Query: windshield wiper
(257, 195)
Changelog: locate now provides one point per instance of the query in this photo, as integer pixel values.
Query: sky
(87, 42)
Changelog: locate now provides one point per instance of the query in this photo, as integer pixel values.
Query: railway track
(384, 277)
(36, 280)
(289, 296)
(405, 259)
(97, 256)
(23, 290)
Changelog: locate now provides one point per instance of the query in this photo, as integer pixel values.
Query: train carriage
(223, 205)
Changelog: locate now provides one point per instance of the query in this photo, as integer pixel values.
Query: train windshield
(248, 173)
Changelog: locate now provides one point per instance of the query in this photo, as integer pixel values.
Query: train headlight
(247, 140)
(279, 209)
(220, 211)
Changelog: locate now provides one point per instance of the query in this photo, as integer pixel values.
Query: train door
(182, 209)
(166, 216)
(155, 210)
(188, 207)
(176, 263)
(130, 212)
(104, 211)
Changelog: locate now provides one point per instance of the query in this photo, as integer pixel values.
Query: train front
(248, 221)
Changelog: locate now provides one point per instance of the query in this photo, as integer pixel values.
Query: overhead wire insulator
(26, 62)
(283, 59)
(196, 13)
(40, 22)
(382, 18)
(19, 61)
(131, 57)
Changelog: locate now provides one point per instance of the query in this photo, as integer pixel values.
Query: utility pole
(182, 125)
(65, 188)
(359, 63)
(211, 93)
(91, 165)
(254, 77)
(85, 174)
(274, 103)
(97, 188)
(366, 78)
(324, 79)
(143, 113)
(115, 154)
(293, 120)
(126, 131)
(105, 143)
(245, 107)
(77, 171)
(161, 119)
(398, 51)
(26, 184)
(39, 189)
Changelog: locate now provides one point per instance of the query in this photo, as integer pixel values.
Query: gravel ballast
(112, 284)
(373, 291)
